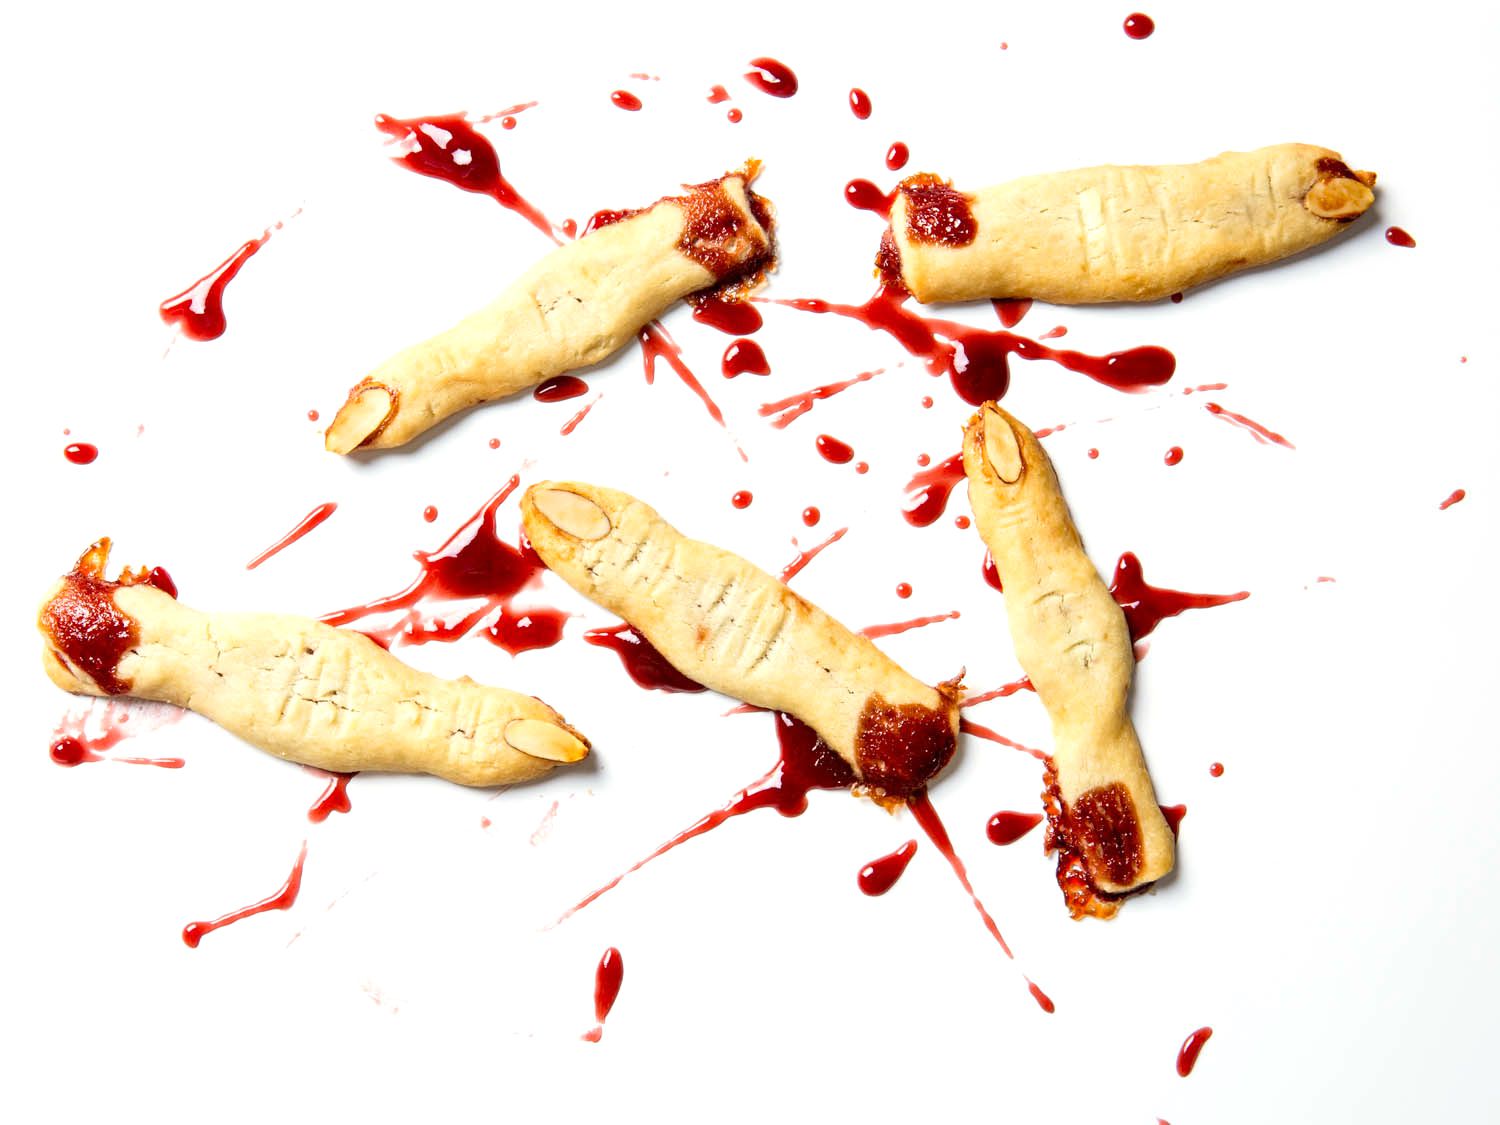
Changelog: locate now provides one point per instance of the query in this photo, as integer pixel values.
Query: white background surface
(1331, 917)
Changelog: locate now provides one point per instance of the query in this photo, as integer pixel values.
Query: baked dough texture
(1073, 643)
(577, 306)
(734, 628)
(296, 688)
(1116, 233)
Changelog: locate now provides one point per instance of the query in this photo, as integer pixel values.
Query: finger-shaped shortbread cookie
(294, 687)
(1120, 233)
(1072, 641)
(736, 629)
(575, 307)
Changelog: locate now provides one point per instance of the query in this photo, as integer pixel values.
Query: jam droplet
(1147, 606)
(333, 799)
(1173, 455)
(880, 875)
(626, 100)
(1187, 1057)
(607, 980)
(1453, 498)
(1398, 237)
(833, 450)
(1216, 770)
(903, 590)
(1138, 25)
(305, 525)
(811, 516)
(717, 94)
(859, 103)
(560, 388)
(896, 156)
(198, 311)
(1006, 828)
(773, 77)
(927, 492)
(744, 357)
(735, 116)
(742, 499)
(81, 453)
(429, 513)
(863, 195)
(737, 318)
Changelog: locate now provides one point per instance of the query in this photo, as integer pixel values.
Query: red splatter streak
(744, 357)
(1006, 828)
(198, 311)
(833, 450)
(718, 94)
(657, 344)
(624, 99)
(773, 77)
(572, 423)
(863, 195)
(194, 932)
(986, 733)
(74, 746)
(927, 817)
(306, 524)
(1398, 237)
(796, 566)
(643, 663)
(880, 875)
(1043, 1000)
(607, 980)
(927, 492)
(1147, 606)
(1001, 692)
(333, 799)
(737, 318)
(874, 631)
(788, 410)
(1173, 815)
(560, 388)
(1261, 434)
(1187, 1057)
(1453, 498)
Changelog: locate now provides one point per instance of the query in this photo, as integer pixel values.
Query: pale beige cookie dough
(1072, 641)
(1118, 233)
(295, 688)
(732, 627)
(575, 307)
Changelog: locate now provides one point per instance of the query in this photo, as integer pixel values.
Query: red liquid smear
(81, 453)
(1453, 498)
(792, 408)
(306, 524)
(1007, 827)
(976, 361)
(896, 156)
(806, 763)
(903, 590)
(880, 875)
(626, 100)
(647, 667)
(1173, 455)
(1139, 26)
(795, 567)
(772, 77)
(333, 799)
(1187, 1057)
(811, 516)
(560, 388)
(74, 746)
(1259, 432)
(978, 731)
(1147, 606)
(744, 357)
(1216, 770)
(737, 318)
(1173, 815)
(607, 980)
(1043, 1000)
(198, 311)
(1398, 237)
(1001, 692)
(657, 343)
(991, 572)
(431, 146)
(873, 631)
(194, 932)
(718, 94)
(742, 499)
(472, 564)
(1010, 310)
(927, 492)
(863, 195)
(859, 104)
(833, 450)
(572, 423)
(429, 513)
(927, 817)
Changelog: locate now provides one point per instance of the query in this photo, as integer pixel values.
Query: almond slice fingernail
(548, 741)
(1001, 448)
(361, 418)
(1340, 198)
(572, 514)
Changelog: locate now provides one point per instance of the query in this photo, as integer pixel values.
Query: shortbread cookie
(1073, 643)
(296, 688)
(1119, 233)
(732, 627)
(575, 307)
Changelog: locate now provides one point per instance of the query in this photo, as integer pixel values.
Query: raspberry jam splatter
(928, 490)
(560, 388)
(87, 736)
(744, 357)
(859, 104)
(1138, 25)
(450, 149)
(1260, 433)
(1006, 828)
(334, 798)
(863, 195)
(624, 99)
(736, 318)
(1453, 498)
(473, 565)
(742, 499)
(195, 932)
(81, 453)
(1147, 606)
(198, 311)
(880, 875)
(1173, 456)
(607, 980)
(647, 667)
(306, 524)
(890, 630)
(1192, 1046)
(788, 410)
(896, 156)
(1398, 237)
(773, 77)
(796, 566)
(834, 451)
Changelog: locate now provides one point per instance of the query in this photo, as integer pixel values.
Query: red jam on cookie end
(1098, 834)
(900, 748)
(83, 624)
(936, 212)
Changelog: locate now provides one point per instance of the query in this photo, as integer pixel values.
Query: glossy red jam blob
(773, 77)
